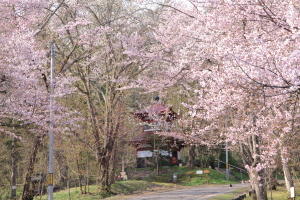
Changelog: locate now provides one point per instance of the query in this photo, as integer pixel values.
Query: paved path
(195, 193)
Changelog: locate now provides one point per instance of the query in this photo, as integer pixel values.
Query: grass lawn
(121, 187)
(281, 193)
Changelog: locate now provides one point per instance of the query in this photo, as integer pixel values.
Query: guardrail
(233, 166)
(234, 171)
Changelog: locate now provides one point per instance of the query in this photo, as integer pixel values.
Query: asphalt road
(199, 193)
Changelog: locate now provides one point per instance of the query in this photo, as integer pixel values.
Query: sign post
(174, 177)
(292, 189)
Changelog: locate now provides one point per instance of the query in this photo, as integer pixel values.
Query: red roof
(155, 109)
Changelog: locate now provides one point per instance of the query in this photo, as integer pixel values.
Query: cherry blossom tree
(24, 96)
(104, 45)
(237, 51)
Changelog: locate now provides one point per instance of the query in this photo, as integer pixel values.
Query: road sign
(50, 179)
(199, 172)
(144, 154)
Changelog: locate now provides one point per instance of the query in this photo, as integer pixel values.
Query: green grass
(131, 186)
(281, 193)
(121, 187)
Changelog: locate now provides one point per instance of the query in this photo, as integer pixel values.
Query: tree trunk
(287, 175)
(101, 154)
(68, 186)
(13, 169)
(105, 177)
(192, 155)
(114, 165)
(104, 165)
(28, 193)
(258, 185)
(80, 176)
(105, 135)
(249, 154)
(286, 171)
(272, 181)
(63, 168)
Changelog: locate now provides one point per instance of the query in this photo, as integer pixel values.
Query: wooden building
(157, 142)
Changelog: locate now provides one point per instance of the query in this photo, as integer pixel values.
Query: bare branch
(176, 9)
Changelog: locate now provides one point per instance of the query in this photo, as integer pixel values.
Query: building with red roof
(156, 140)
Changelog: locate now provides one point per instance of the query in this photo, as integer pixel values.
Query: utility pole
(51, 126)
(227, 165)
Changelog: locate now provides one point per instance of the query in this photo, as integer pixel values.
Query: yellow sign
(50, 179)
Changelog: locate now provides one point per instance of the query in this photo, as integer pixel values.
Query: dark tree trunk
(103, 154)
(105, 177)
(28, 193)
(112, 177)
(104, 135)
(63, 168)
(80, 176)
(106, 174)
(192, 155)
(272, 181)
(14, 169)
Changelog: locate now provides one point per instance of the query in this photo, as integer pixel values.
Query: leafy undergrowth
(5, 192)
(120, 187)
